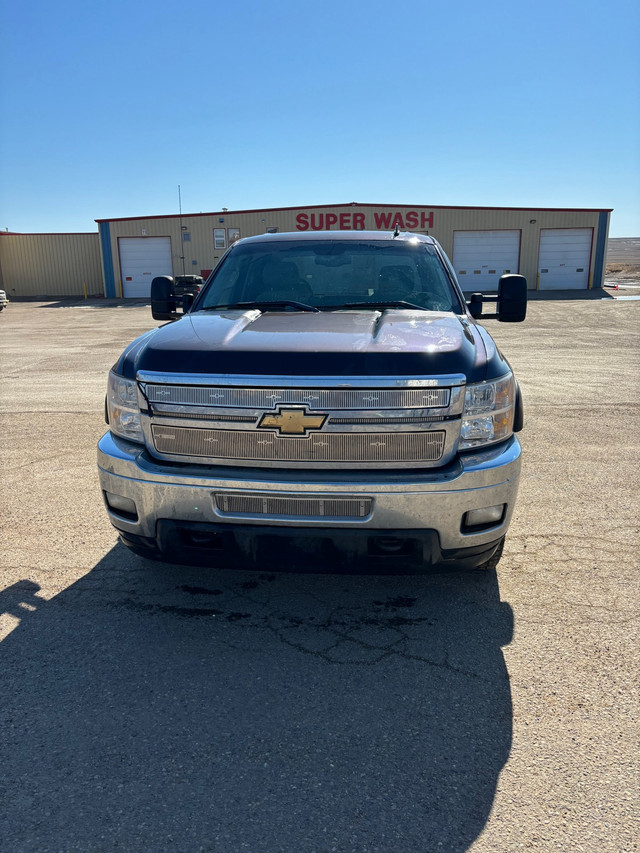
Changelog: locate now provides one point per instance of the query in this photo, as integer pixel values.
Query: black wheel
(493, 561)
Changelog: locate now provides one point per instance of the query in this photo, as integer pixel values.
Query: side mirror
(475, 305)
(512, 298)
(163, 299)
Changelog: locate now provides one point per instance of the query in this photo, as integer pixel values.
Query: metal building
(556, 249)
(50, 264)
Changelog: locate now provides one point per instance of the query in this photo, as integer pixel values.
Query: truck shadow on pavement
(153, 707)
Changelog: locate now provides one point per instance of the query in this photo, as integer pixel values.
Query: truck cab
(327, 399)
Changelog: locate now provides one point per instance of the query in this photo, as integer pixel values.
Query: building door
(141, 260)
(564, 258)
(481, 257)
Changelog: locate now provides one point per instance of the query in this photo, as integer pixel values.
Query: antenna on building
(181, 230)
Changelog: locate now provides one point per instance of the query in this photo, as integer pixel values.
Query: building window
(186, 237)
(234, 234)
(219, 238)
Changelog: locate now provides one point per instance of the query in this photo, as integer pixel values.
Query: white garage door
(481, 257)
(141, 260)
(565, 255)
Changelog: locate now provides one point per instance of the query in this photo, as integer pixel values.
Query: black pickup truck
(327, 399)
(187, 284)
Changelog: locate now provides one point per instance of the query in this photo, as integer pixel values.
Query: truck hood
(338, 343)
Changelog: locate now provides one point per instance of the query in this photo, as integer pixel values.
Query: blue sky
(107, 107)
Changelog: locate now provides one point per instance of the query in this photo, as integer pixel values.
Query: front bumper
(175, 507)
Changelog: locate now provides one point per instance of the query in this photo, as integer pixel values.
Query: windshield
(332, 274)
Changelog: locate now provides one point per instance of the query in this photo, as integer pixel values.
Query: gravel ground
(164, 708)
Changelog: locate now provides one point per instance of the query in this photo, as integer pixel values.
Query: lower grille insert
(298, 507)
(239, 445)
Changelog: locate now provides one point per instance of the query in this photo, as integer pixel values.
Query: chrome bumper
(418, 500)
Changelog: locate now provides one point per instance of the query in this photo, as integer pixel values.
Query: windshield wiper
(261, 306)
(399, 303)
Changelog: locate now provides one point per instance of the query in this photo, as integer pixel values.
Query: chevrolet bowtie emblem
(292, 422)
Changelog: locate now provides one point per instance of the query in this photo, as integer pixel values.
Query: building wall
(50, 264)
(200, 253)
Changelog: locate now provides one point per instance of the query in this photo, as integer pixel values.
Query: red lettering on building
(426, 220)
(412, 220)
(383, 220)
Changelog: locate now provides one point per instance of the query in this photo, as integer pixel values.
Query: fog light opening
(124, 507)
(481, 519)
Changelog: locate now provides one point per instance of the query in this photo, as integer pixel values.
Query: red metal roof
(50, 233)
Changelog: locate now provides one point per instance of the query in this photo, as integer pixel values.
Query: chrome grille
(323, 447)
(298, 507)
(160, 411)
(389, 421)
(314, 398)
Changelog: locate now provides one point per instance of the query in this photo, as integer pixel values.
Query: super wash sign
(389, 220)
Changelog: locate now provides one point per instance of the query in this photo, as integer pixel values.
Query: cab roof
(367, 236)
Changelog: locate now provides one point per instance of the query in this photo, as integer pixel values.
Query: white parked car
(3, 299)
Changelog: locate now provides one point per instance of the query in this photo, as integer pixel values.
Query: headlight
(124, 412)
(488, 412)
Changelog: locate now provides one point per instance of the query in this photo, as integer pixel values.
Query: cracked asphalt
(148, 707)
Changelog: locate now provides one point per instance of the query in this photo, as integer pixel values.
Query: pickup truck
(327, 400)
(183, 284)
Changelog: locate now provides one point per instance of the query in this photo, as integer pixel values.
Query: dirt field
(623, 250)
(623, 261)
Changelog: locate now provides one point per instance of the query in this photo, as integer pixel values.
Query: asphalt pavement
(150, 707)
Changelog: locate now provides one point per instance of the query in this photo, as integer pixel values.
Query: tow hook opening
(202, 539)
(392, 546)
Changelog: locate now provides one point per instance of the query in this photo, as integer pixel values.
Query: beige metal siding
(50, 264)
